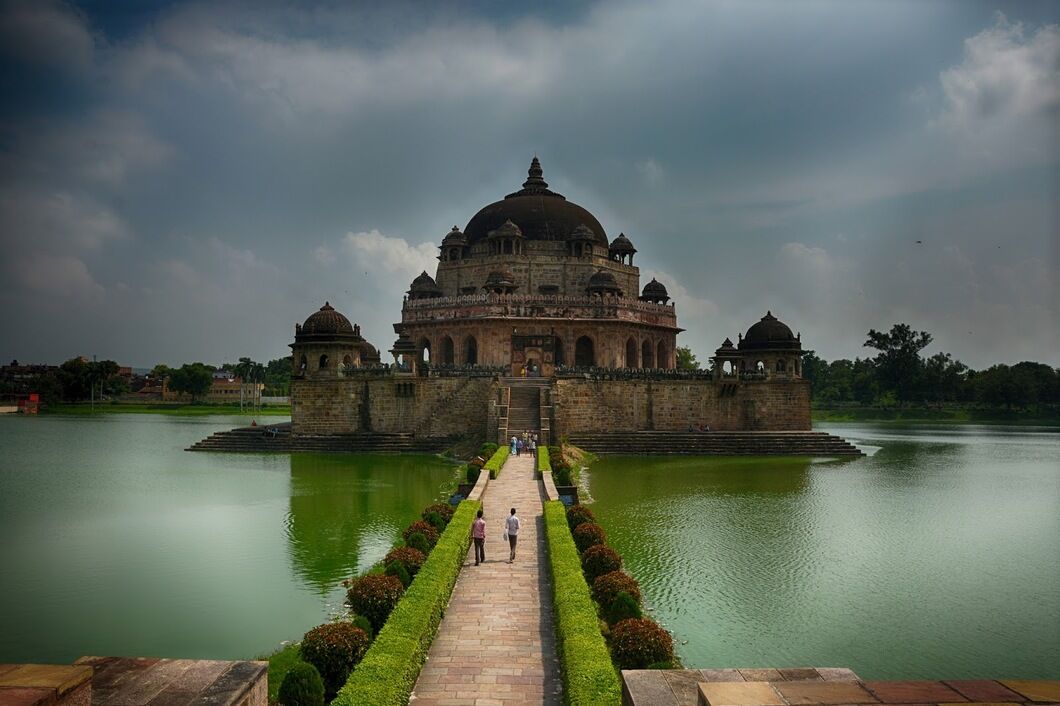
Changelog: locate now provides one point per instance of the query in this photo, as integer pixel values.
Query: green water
(116, 541)
(936, 556)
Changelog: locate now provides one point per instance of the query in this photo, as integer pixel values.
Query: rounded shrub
(622, 608)
(417, 541)
(588, 535)
(395, 568)
(334, 649)
(561, 476)
(598, 560)
(473, 473)
(577, 514)
(302, 686)
(374, 596)
(364, 624)
(437, 522)
(411, 559)
(487, 449)
(608, 586)
(429, 532)
(444, 509)
(637, 643)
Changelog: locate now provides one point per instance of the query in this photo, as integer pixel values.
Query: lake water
(936, 556)
(116, 541)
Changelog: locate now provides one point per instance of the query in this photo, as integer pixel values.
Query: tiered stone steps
(524, 406)
(279, 438)
(717, 443)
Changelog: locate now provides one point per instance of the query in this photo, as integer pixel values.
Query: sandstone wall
(633, 405)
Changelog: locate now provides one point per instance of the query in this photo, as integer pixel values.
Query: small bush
(598, 560)
(639, 642)
(577, 514)
(395, 568)
(334, 649)
(411, 559)
(374, 596)
(622, 608)
(417, 541)
(364, 624)
(562, 476)
(587, 535)
(436, 521)
(608, 586)
(473, 472)
(444, 509)
(427, 530)
(302, 686)
(487, 449)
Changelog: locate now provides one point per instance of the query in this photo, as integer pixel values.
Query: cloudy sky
(185, 181)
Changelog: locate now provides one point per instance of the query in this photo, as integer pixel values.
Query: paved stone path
(497, 644)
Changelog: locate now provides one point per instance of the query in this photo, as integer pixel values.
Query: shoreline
(924, 416)
(180, 410)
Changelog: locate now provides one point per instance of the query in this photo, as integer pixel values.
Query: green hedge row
(388, 672)
(543, 464)
(496, 461)
(589, 677)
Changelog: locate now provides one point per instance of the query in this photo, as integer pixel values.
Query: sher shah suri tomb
(535, 320)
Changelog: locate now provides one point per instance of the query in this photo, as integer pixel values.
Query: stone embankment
(278, 437)
(717, 443)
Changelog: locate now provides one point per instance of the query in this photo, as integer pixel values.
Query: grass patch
(176, 410)
(280, 662)
(589, 677)
(389, 670)
(497, 461)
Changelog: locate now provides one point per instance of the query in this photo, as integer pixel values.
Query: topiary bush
(577, 514)
(561, 476)
(395, 568)
(638, 643)
(608, 586)
(417, 541)
(587, 535)
(598, 560)
(436, 521)
(374, 596)
(444, 509)
(473, 473)
(335, 649)
(487, 449)
(622, 608)
(428, 531)
(302, 686)
(364, 624)
(411, 559)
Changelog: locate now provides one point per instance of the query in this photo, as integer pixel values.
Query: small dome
(506, 230)
(622, 245)
(424, 287)
(369, 353)
(500, 278)
(325, 323)
(655, 291)
(583, 232)
(770, 332)
(454, 237)
(603, 282)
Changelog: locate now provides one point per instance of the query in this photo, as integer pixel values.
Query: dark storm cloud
(187, 181)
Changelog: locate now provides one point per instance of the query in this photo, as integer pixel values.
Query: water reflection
(346, 511)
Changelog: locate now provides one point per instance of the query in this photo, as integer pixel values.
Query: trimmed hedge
(389, 669)
(600, 559)
(497, 461)
(589, 677)
(588, 534)
(543, 464)
(638, 643)
(579, 514)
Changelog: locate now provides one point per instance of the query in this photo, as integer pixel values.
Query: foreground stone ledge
(45, 685)
(138, 681)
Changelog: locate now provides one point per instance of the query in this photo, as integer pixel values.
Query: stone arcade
(534, 319)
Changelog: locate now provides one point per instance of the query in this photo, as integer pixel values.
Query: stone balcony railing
(477, 306)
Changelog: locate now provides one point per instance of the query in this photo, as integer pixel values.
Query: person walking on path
(478, 533)
(512, 450)
(511, 528)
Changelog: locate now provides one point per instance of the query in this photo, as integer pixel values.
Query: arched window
(447, 351)
(647, 355)
(662, 359)
(760, 367)
(584, 356)
(631, 353)
(471, 351)
(347, 361)
(323, 361)
(558, 356)
(780, 365)
(302, 365)
(424, 348)
(726, 368)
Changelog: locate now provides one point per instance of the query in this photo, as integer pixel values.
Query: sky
(185, 181)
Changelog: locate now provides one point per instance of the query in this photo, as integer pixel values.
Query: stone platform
(278, 437)
(716, 443)
(819, 687)
(45, 685)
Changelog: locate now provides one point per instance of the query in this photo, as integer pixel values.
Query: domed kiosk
(327, 345)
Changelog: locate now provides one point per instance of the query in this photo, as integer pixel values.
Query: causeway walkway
(496, 645)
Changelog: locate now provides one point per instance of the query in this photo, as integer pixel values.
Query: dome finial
(534, 176)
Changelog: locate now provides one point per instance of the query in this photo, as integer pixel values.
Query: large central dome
(541, 214)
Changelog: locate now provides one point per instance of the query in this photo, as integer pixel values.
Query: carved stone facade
(532, 287)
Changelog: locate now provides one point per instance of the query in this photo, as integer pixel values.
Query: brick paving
(496, 645)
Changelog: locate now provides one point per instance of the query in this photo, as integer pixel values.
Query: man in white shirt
(511, 528)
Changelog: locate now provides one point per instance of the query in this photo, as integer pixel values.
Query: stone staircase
(524, 404)
(717, 443)
(278, 437)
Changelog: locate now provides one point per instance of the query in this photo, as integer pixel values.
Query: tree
(898, 363)
(278, 375)
(942, 379)
(192, 378)
(686, 359)
(160, 371)
(249, 370)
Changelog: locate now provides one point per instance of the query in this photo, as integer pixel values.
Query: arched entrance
(631, 353)
(471, 351)
(448, 357)
(557, 352)
(647, 355)
(662, 359)
(423, 349)
(584, 355)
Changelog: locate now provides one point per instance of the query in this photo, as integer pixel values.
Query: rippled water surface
(936, 556)
(116, 541)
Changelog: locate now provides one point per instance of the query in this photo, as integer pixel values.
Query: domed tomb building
(533, 284)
